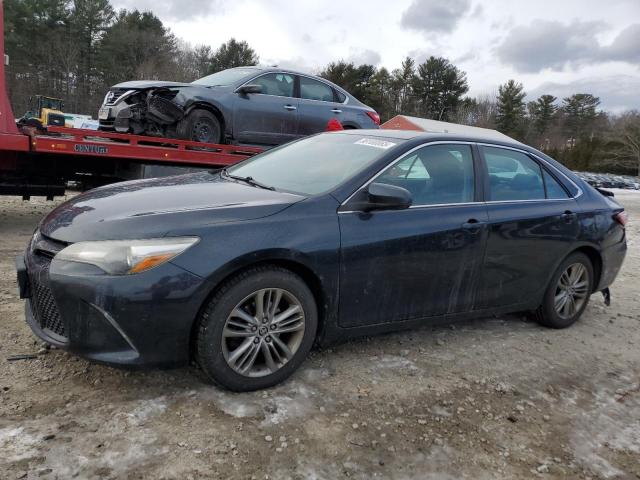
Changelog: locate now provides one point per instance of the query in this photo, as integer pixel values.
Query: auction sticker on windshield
(374, 142)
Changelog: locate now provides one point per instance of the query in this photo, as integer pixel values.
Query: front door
(270, 117)
(532, 225)
(422, 261)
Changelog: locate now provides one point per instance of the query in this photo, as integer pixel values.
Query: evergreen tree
(233, 54)
(510, 109)
(438, 88)
(580, 114)
(89, 21)
(402, 86)
(381, 98)
(541, 112)
(136, 47)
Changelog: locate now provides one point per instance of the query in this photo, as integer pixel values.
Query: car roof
(434, 136)
(259, 68)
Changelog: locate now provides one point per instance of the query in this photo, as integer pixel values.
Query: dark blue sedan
(333, 236)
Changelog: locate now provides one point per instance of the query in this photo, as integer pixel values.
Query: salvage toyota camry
(333, 236)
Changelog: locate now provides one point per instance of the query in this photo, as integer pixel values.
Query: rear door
(317, 106)
(532, 224)
(422, 261)
(270, 117)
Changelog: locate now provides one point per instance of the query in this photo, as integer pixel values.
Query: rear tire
(246, 338)
(568, 292)
(200, 126)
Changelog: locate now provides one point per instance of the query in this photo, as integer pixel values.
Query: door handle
(568, 216)
(336, 110)
(473, 226)
(290, 107)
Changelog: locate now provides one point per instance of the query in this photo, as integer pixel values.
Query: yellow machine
(44, 111)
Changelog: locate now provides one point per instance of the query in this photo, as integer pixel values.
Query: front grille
(45, 310)
(44, 307)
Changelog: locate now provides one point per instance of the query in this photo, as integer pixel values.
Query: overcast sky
(551, 46)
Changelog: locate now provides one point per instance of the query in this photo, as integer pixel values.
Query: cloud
(549, 44)
(361, 57)
(625, 47)
(174, 11)
(299, 64)
(434, 16)
(617, 93)
(553, 45)
(478, 11)
(420, 55)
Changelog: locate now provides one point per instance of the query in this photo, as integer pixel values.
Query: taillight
(621, 218)
(375, 117)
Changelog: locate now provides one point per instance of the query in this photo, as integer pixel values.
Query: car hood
(151, 208)
(142, 84)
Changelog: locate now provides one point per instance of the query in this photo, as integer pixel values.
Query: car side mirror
(381, 196)
(251, 88)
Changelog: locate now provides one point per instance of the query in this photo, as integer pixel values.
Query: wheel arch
(594, 256)
(596, 262)
(287, 260)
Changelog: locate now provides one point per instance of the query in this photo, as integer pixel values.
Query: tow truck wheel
(200, 126)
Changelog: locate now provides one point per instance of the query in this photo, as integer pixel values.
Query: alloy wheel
(263, 332)
(572, 290)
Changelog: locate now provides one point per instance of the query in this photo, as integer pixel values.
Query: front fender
(272, 255)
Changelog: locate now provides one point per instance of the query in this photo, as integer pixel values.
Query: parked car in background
(333, 236)
(255, 105)
(610, 180)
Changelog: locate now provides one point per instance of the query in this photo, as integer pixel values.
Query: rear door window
(513, 175)
(311, 89)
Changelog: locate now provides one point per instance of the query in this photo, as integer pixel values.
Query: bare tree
(626, 140)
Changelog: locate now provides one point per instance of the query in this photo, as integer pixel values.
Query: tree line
(77, 49)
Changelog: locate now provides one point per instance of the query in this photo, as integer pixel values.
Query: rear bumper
(137, 320)
(612, 258)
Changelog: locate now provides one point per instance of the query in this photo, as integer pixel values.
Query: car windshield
(226, 77)
(316, 164)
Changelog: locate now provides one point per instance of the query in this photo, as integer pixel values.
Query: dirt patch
(489, 398)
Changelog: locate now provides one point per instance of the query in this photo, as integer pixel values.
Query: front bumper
(136, 320)
(111, 122)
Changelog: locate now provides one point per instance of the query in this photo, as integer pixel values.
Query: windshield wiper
(248, 180)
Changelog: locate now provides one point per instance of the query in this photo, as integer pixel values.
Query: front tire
(257, 329)
(568, 292)
(200, 126)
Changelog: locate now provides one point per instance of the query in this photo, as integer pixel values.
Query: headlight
(123, 257)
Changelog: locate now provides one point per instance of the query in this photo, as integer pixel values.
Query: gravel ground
(489, 398)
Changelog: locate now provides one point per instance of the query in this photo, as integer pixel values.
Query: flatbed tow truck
(40, 162)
